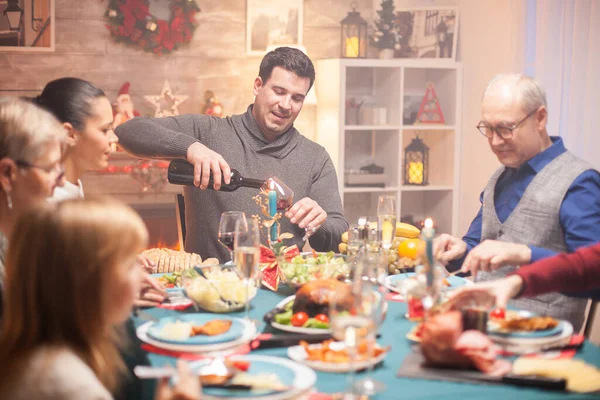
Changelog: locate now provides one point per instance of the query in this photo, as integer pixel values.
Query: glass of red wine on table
(227, 229)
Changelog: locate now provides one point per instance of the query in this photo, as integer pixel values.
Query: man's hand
(205, 160)
(487, 294)
(447, 248)
(493, 254)
(307, 213)
(152, 293)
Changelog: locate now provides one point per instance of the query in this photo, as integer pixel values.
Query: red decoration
(430, 111)
(130, 21)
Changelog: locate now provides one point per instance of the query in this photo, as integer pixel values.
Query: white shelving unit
(357, 139)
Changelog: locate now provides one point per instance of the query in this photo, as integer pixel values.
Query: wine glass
(372, 269)
(350, 322)
(386, 214)
(247, 251)
(227, 229)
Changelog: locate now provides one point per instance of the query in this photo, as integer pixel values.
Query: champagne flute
(227, 229)
(372, 270)
(350, 323)
(386, 214)
(247, 250)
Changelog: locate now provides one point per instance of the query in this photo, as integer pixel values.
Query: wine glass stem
(247, 306)
(231, 256)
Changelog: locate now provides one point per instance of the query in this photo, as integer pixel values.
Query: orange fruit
(409, 248)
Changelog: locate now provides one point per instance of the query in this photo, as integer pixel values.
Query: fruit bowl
(217, 288)
(310, 266)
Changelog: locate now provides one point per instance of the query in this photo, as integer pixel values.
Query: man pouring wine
(260, 143)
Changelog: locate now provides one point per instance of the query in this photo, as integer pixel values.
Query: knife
(536, 381)
(270, 341)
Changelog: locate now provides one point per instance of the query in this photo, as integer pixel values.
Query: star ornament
(166, 103)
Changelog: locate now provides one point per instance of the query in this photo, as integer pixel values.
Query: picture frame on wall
(273, 23)
(27, 25)
(427, 32)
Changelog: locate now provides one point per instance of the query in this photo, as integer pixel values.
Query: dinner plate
(520, 345)
(391, 281)
(306, 331)
(235, 331)
(493, 330)
(299, 379)
(298, 353)
(249, 333)
(292, 328)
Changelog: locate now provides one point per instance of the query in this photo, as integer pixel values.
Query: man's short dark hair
(290, 59)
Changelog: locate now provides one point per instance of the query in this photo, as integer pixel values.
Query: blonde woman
(72, 276)
(31, 143)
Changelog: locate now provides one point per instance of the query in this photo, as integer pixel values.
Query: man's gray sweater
(302, 164)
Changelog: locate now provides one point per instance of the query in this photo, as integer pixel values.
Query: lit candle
(415, 172)
(427, 234)
(352, 47)
(273, 211)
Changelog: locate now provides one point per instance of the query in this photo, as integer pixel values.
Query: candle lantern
(416, 163)
(354, 35)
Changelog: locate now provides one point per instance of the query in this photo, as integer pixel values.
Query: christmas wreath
(130, 21)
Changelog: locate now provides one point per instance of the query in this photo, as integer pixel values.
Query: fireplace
(154, 202)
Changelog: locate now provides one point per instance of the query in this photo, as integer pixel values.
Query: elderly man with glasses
(542, 200)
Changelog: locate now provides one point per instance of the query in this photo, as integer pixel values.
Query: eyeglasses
(57, 169)
(503, 131)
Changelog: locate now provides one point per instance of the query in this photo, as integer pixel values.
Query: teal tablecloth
(393, 333)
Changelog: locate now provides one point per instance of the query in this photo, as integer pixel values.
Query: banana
(343, 248)
(402, 230)
(407, 230)
(345, 237)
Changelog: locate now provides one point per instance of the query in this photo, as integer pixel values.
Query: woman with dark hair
(86, 114)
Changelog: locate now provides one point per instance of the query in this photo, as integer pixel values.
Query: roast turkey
(313, 297)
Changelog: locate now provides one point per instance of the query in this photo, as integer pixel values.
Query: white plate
(296, 329)
(247, 336)
(297, 353)
(304, 378)
(390, 282)
(521, 345)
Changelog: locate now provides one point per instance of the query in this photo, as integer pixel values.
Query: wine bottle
(181, 172)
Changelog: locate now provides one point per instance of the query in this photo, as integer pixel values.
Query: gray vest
(535, 222)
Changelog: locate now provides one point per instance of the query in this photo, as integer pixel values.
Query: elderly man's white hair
(530, 93)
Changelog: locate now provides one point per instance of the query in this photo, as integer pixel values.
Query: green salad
(310, 266)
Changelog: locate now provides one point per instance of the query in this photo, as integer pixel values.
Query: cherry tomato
(170, 285)
(299, 318)
(241, 365)
(322, 318)
(498, 313)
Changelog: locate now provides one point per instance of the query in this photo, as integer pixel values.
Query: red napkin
(177, 305)
(191, 356)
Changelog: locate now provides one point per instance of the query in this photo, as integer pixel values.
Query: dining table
(393, 332)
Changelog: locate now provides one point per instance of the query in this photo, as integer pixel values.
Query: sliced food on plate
(331, 356)
(180, 330)
(536, 323)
